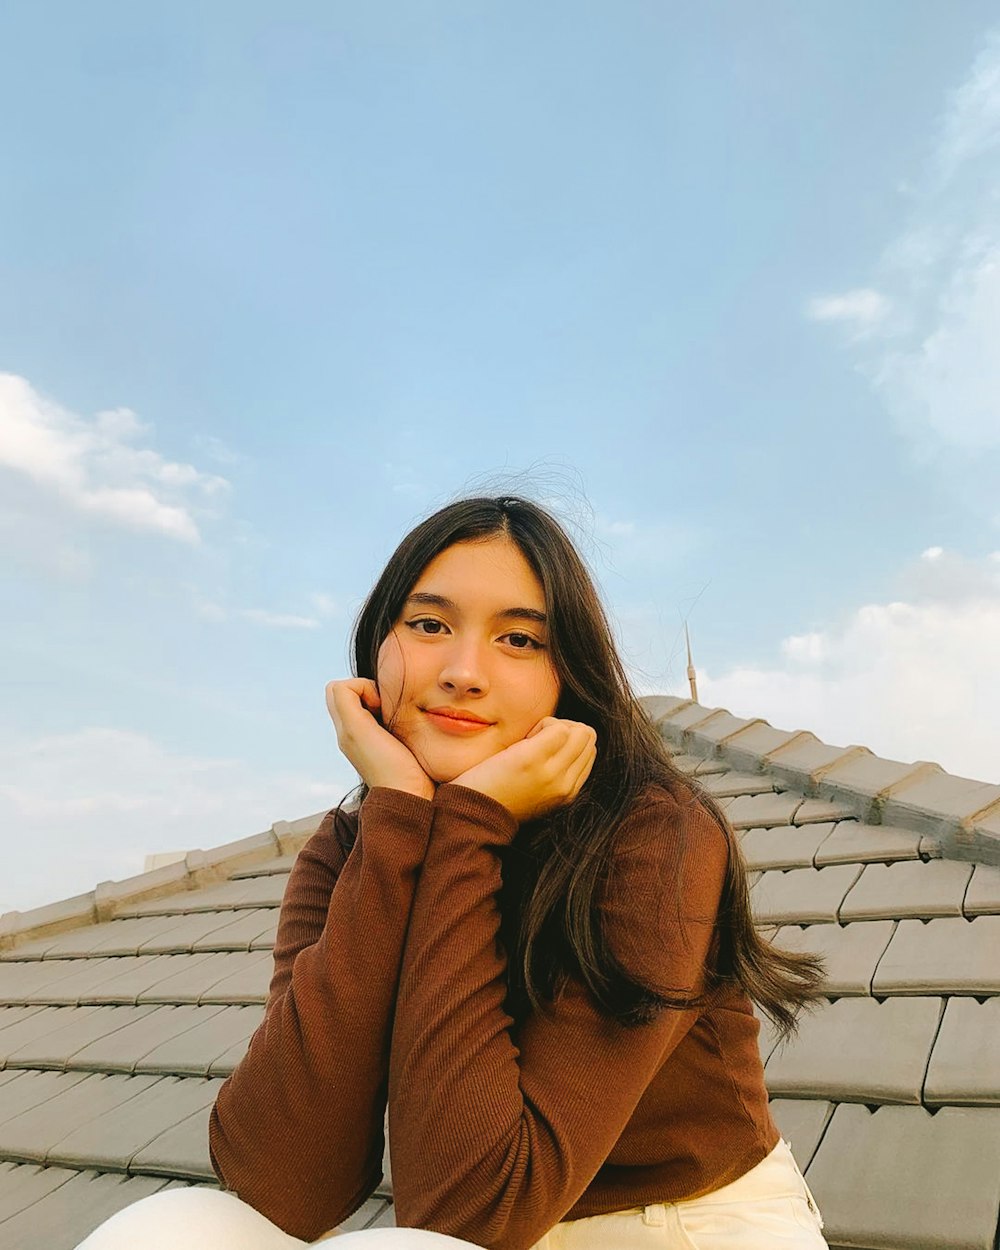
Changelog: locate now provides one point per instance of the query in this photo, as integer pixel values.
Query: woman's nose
(464, 669)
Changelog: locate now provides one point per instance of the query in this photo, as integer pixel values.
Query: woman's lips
(451, 725)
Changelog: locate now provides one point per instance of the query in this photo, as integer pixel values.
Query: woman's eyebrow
(427, 599)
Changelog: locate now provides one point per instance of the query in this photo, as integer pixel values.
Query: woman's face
(471, 638)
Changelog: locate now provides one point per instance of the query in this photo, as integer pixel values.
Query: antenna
(691, 673)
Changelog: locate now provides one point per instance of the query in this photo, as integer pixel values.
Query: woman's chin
(447, 772)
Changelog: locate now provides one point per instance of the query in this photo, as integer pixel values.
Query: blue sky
(721, 282)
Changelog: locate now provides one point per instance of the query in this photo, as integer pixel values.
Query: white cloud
(90, 806)
(971, 124)
(931, 316)
(215, 449)
(93, 468)
(949, 382)
(911, 679)
(863, 307)
(326, 605)
(278, 620)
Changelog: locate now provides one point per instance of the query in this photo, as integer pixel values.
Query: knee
(189, 1219)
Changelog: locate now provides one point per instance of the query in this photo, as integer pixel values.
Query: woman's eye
(528, 643)
(424, 620)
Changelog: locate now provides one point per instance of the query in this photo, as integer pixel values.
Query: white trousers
(768, 1208)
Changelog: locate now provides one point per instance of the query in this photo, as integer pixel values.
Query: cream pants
(768, 1208)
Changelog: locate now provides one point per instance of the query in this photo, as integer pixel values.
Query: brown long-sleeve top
(390, 982)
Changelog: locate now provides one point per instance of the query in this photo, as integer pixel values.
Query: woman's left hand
(542, 772)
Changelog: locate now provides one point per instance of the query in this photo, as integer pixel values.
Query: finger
(582, 770)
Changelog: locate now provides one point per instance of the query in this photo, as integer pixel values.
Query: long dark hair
(555, 929)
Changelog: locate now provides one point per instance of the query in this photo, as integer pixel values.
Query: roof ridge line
(198, 868)
(961, 814)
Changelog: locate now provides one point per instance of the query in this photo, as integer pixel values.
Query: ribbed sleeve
(296, 1130)
(494, 1141)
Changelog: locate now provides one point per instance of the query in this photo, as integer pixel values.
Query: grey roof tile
(141, 976)
(113, 937)
(852, 841)
(657, 706)
(983, 894)
(253, 930)
(263, 890)
(247, 981)
(272, 867)
(699, 767)
(127, 1048)
(59, 1048)
(265, 942)
(385, 1219)
(783, 846)
(127, 1134)
(730, 784)
(965, 1062)
(32, 980)
(748, 748)
(97, 981)
(208, 931)
(761, 809)
(911, 888)
(803, 759)
(366, 1215)
(710, 734)
(852, 952)
(869, 778)
(858, 1050)
(34, 1134)
(227, 1061)
(30, 1089)
(938, 800)
(801, 1122)
(49, 920)
(214, 977)
(951, 956)
(815, 811)
(685, 714)
(10, 1016)
(802, 895)
(61, 1220)
(182, 1149)
(36, 1024)
(902, 1177)
(193, 1052)
(22, 1184)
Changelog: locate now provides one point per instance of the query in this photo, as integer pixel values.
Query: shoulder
(326, 851)
(662, 825)
(661, 895)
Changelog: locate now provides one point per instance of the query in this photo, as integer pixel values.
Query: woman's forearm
(297, 1129)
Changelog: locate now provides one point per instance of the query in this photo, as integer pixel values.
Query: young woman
(530, 939)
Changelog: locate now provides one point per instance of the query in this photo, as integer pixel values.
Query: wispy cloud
(914, 677)
(96, 467)
(278, 620)
(326, 608)
(925, 331)
(971, 123)
(863, 307)
(90, 806)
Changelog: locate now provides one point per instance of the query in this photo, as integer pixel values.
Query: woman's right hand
(381, 759)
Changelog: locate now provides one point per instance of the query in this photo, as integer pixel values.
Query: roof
(122, 1010)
